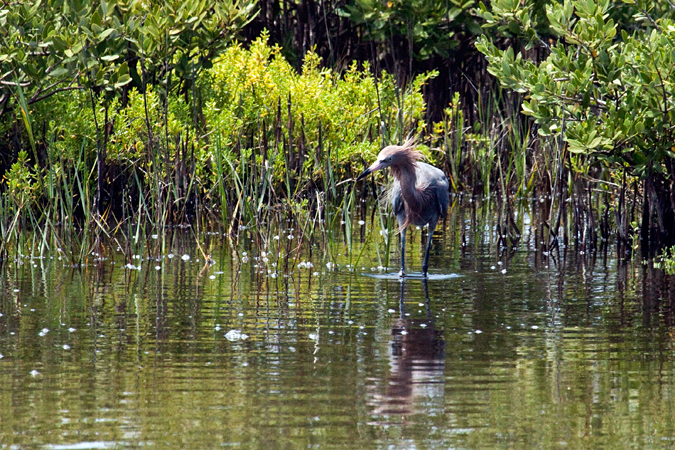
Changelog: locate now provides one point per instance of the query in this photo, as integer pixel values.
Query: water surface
(498, 349)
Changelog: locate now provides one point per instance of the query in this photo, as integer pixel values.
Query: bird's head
(399, 156)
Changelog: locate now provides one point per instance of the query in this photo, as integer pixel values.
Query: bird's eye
(388, 159)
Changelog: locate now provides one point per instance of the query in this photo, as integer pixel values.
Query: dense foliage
(49, 46)
(113, 110)
(607, 90)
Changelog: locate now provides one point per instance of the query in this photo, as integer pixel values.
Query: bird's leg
(425, 265)
(426, 298)
(401, 274)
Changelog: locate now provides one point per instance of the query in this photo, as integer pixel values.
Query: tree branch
(56, 91)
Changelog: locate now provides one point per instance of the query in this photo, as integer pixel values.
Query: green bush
(249, 87)
(22, 183)
(248, 84)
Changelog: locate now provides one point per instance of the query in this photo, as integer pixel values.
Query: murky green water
(519, 351)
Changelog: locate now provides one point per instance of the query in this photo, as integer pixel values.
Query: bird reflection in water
(417, 361)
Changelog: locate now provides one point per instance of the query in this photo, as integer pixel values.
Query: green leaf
(105, 33)
(575, 146)
(595, 142)
(59, 44)
(58, 72)
(587, 99)
(123, 80)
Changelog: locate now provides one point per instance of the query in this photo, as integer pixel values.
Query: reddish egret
(419, 194)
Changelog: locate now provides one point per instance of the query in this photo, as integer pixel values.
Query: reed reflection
(417, 364)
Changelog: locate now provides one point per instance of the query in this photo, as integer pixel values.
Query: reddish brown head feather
(405, 157)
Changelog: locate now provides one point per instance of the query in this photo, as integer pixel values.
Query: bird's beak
(375, 167)
(364, 174)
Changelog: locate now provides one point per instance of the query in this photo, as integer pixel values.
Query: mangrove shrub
(608, 92)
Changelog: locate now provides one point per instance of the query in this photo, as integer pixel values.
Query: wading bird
(419, 194)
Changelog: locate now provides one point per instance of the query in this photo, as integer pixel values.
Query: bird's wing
(436, 185)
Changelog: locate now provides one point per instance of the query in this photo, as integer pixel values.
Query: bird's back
(434, 185)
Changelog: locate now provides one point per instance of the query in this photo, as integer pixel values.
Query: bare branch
(37, 96)
(56, 91)
(14, 83)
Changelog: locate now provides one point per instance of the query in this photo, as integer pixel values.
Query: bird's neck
(408, 181)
